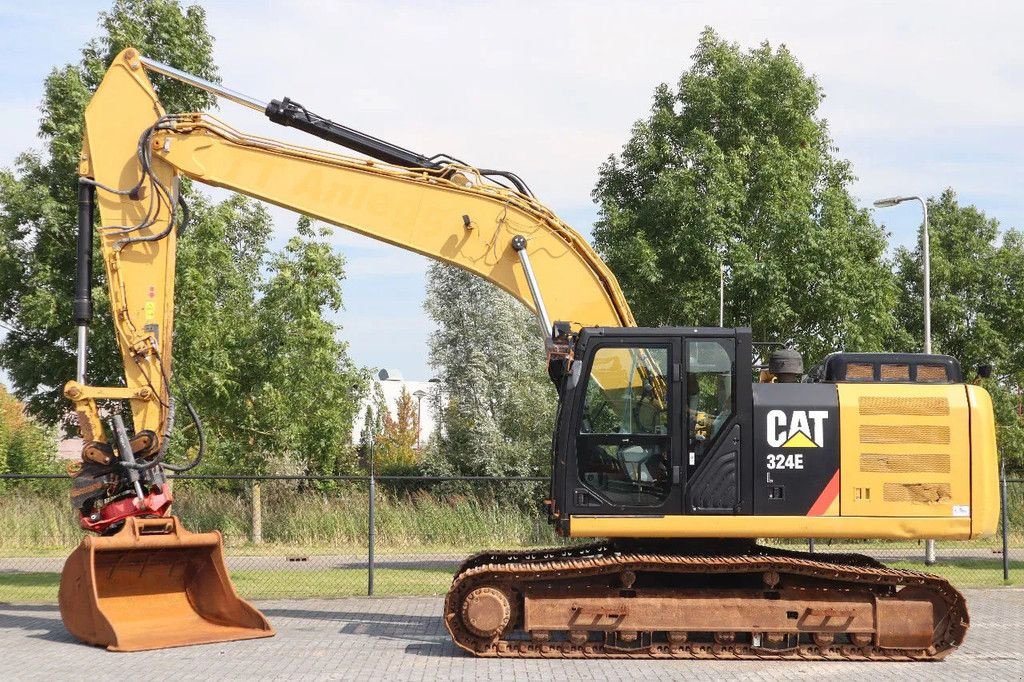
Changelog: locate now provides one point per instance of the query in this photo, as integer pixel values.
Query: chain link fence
(290, 536)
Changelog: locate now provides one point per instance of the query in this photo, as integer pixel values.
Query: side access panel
(796, 450)
(906, 450)
(714, 488)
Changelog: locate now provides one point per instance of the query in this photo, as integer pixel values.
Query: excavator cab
(663, 433)
(652, 423)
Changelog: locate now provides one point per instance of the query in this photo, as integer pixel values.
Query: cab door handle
(675, 475)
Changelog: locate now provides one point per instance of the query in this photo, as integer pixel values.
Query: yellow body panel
(984, 464)
(904, 450)
(141, 277)
(691, 526)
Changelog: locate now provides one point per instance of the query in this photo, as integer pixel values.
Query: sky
(920, 96)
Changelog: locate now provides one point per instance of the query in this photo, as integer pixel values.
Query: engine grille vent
(895, 372)
(904, 463)
(860, 371)
(932, 407)
(918, 434)
(926, 493)
(932, 373)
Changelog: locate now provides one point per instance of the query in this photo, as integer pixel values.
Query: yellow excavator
(669, 446)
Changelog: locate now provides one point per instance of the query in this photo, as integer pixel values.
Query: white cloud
(551, 90)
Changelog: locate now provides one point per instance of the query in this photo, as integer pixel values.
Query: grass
(280, 584)
(34, 523)
(38, 522)
(29, 588)
(41, 587)
(969, 572)
(345, 582)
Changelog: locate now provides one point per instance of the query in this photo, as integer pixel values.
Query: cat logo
(800, 429)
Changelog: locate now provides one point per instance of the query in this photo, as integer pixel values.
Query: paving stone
(385, 639)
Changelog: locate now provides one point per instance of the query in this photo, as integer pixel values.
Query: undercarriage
(688, 599)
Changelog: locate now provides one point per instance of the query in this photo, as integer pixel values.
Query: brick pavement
(387, 639)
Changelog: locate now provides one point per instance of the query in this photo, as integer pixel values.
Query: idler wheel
(486, 612)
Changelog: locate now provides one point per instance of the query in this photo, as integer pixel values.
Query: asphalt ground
(404, 639)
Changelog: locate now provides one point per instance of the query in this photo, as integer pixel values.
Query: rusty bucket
(154, 585)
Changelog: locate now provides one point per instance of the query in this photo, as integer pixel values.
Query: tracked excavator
(670, 449)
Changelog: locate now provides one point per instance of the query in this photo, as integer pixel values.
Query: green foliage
(373, 420)
(275, 385)
(322, 522)
(495, 406)
(395, 451)
(977, 294)
(38, 202)
(734, 166)
(162, 30)
(26, 446)
(253, 351)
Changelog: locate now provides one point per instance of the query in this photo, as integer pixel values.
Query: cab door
(713, 441)
(626, 443)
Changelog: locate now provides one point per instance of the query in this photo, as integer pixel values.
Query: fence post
(257, 513)
(371, 535)
(810, 545)
(1006, 521)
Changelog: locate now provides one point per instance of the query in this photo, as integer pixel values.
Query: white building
(391, 384)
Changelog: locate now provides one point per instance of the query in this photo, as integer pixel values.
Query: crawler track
(728, 601)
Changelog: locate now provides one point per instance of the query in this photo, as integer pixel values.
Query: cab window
(623, 441)
(710, 389)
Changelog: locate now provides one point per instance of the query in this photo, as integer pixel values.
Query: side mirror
(575, 370)
(985, 370)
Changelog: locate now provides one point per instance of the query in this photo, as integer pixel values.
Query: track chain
(846, 571)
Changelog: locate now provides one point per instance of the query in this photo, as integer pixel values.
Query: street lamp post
(927, 266)
(929, 545)
(419, 394)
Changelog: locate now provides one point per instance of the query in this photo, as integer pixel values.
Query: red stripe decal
(828, 495)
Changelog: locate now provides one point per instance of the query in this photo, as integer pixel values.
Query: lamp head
(891, 201)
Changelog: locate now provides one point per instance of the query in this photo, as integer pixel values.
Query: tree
(26, 446)
(968, 301)
(287, 390)
(253, 350)
(38, 202)
(373, 420)
(977, 294)
(495, 403)
(395, 451)
(735, 167)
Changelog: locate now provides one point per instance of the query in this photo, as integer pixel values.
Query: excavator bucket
(154, 585)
